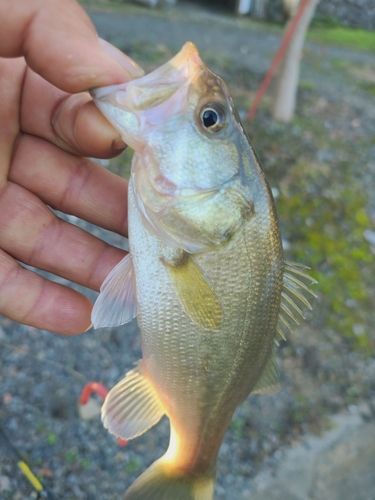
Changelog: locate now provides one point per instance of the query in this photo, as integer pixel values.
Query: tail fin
(161, 482)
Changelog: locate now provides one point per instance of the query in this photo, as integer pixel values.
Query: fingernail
(131, 67)
(89, 328)
(118, 144)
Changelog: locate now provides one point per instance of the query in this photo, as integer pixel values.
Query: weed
(306, 85)
(301, 409)
(84, 463)
(368, 87)
(324, 21)
(41, 427)
(132, 466)
(344, 37)
(51, 439)
(237, 426)
(71, 456)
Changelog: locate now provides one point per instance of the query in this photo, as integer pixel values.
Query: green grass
(71, 456)
(351, 38)
(330, 223)
(322, 210)
(132, 466)
(368, 87)
(324, 30)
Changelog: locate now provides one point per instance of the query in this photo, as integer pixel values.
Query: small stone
(12, 425)
(4, 483)
(44, 472)
(359, 329)
(89, 410)
(369, 236)
(355, 123)
(7, 398)
(242, 113)
(353, 409)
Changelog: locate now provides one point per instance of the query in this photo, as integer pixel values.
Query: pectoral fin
(269, 380)
(132, 406)
(116, 304)
(195, 293)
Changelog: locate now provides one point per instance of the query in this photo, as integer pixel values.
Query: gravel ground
(42, 374)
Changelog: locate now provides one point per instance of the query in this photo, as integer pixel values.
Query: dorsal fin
(292, 294)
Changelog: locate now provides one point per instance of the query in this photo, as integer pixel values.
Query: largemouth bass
(205, 274)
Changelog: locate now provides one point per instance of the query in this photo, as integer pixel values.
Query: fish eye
(213, 117)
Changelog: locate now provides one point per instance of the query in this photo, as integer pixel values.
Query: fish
(205, 275)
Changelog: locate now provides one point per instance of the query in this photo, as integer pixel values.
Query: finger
(72, 122)
(124, 60)
(71, 184)
(31, 233)
(11, 76)
(28, 298)
(60, 43)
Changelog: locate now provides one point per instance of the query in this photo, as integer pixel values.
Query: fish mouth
(188, 53)
(157, 86)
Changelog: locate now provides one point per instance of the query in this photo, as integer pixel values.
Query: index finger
(59, 42)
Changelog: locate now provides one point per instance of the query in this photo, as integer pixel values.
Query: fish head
(194, 168)
(169, 95)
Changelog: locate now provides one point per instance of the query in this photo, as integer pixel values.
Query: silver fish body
(205, 270)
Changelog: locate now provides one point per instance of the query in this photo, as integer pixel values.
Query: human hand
(45, 135)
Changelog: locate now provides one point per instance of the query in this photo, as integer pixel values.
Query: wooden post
(284, 101)
(278, 58)
(243, 7)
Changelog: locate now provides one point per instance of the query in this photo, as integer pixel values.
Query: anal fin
(268, 382)
(132, 406)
